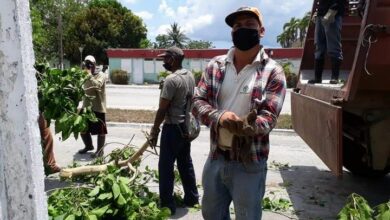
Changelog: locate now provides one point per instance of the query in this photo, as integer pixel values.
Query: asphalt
(294, 171)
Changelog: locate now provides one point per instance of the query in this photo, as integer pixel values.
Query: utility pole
(81, 56)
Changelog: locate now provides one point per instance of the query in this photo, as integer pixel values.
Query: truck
(348, 124)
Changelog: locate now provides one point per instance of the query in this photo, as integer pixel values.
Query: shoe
(85, 150)
(313, 81)
(333, 81)
(51, 170)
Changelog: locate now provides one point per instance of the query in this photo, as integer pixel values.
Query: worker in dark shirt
(328, 23)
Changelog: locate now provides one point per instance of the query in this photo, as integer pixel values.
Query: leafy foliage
(119, 77)
(95, 26)
(199, 44)
(110, 195)
(291, 77)
(357, 208)
(60, 92)
(294, 31)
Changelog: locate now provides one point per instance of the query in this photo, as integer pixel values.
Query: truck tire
(355, 159)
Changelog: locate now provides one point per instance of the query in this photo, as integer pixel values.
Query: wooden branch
(94, 169)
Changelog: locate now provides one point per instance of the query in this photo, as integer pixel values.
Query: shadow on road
(318, 194)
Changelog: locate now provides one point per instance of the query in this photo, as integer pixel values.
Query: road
(314, 192)
(146, 97)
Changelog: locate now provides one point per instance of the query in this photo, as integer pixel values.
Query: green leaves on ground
(115, 194)
(60, 92)
(357, 208)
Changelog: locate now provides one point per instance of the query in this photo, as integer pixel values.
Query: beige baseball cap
(244, 10)
(90, 58)
(172, 51)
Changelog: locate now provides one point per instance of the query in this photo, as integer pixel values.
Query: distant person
(174, 146)
(95, 86)
(239, 97)
(47, 143)
(327, 38)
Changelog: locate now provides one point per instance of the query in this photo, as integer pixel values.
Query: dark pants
(174, 147)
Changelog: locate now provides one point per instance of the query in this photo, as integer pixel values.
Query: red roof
(277, 53)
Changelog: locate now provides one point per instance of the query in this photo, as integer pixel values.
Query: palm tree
(303, 25)
(177, 36)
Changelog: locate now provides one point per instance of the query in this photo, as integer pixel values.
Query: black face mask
(245, 38)
(167, 66)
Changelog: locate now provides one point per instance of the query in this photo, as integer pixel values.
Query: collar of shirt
(260, 57)
(181, 71)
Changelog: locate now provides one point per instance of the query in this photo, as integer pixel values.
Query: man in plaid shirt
(234, 86)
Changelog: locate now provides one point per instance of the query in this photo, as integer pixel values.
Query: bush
(197, 76)
(291, 78)
(119, 77)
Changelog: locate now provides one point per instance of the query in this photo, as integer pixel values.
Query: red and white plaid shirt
(267, 97)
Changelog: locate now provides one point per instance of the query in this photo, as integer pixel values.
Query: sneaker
(85, 150)
(333, 81)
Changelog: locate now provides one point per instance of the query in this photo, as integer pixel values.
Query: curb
(203, 127)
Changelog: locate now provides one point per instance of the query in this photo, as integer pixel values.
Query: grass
(147, 116)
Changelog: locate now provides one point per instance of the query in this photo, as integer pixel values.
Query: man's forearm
(160, 115)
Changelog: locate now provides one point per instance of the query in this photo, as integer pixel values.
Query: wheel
(356, 160)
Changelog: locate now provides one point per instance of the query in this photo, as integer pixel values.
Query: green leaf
(100, 211)
(105, 196)
(121, 200)
(116, 190)
(70, 217)
(77, 121)
(94, 192)
(92, 217)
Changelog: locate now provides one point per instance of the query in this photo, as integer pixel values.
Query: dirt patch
(126, 115)
(147, 116)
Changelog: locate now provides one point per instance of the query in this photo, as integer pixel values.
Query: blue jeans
(226, 181)
(174, 147)
(327, 39)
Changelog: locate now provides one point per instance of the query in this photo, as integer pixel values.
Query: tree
(176, 36)
(294, 31)
(162, 41)
(101, 25)
(199, 44)
(48, 17)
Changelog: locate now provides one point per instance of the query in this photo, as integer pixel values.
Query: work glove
(153, 136)
(234, 126)
(314, 17)
(329, 17)
(244, 127)
(241, 146)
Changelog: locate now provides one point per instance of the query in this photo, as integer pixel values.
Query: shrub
(119, 77)
(291, 78)
(197, 75)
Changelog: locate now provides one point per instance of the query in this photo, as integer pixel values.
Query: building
(143, 65)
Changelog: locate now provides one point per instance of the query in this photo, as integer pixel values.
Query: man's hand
(329, 17)
(314, 17)
(153, 136)
(231, 122)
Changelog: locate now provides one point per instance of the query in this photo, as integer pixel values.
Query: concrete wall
(22, 193)
(152, 67)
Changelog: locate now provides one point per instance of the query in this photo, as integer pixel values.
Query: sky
(205, 19)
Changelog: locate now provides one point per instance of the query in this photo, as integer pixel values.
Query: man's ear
(261, 32)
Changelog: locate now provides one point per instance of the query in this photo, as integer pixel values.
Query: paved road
(314, 192)
(146, 97)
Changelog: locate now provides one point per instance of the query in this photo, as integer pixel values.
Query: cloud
(145, 15)
(205, 19)
(164, 8)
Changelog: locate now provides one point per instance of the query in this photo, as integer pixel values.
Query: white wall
(22, 193)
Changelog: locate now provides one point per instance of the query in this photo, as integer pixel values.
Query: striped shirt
(267, 97)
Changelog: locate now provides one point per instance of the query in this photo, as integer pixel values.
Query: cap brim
(230, 18)
(162, 55)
